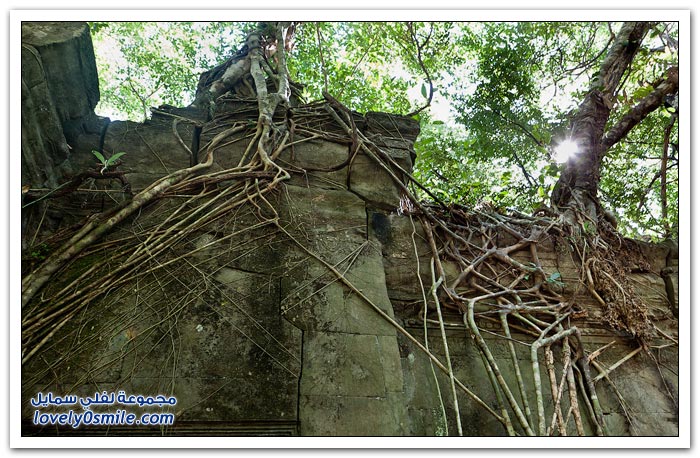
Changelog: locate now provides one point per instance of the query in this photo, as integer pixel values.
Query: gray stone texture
(152, 151)
(68, 64)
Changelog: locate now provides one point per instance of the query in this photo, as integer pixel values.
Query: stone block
(44, 146)
(314, 299)
(426, 422)
(229, 355)
(374, 184)
(150, 147)
(401, 237)
(229, 150)
(312, 164)
(88, 350)
(639, 381)
(342, 365)
(248, 397)
(391, 361)
(654, 255)
(320, 416)
(652, 290)
(237, 240)
(420, 389)
(327, 306)
(68, 62)
(392, 125)
(152, 150)
(348, 416)
(332, 216)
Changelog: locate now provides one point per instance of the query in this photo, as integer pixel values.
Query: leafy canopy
(502, 95)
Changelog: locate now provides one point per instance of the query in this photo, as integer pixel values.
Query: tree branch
(520, 125)
(320, 54)
(577, 186)
(663, 171)
(637, 113)
(419, 58)
(530, 179)
(625, 46)
(584, 66)
(374, 36)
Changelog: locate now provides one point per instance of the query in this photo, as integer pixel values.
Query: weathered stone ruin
(298, 312)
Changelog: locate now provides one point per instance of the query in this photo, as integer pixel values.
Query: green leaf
(113, 159)
(424, 91)
(642, 92)
(99, 156)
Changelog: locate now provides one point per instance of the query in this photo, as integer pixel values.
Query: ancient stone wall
(636, 400)
(244, 321)
(59, 93)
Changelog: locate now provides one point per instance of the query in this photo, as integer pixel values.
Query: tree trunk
(577, 188)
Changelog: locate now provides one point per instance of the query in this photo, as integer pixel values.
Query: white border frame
(682, 16)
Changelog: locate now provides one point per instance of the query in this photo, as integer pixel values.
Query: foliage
(106, 163)
(369, 66)
(528, 79)
(630, 182)
(503, 97)
(145, 64)
(40, 252)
